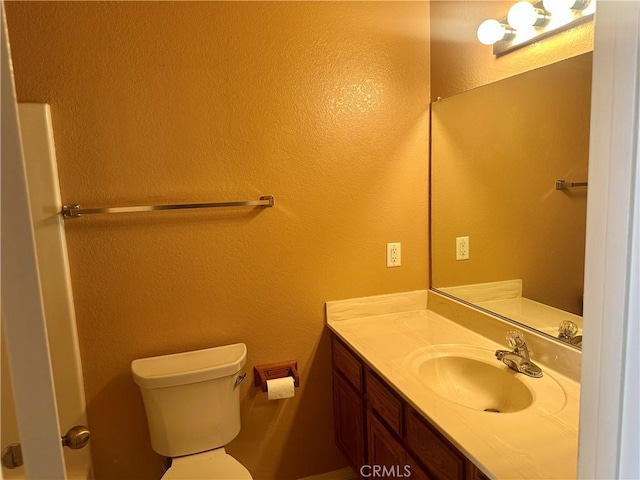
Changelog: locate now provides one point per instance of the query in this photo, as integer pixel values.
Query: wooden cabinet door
(387, 457)
(443, 461)
(385, 451)
(348, 417)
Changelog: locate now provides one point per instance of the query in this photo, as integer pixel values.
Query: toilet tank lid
(189, 367)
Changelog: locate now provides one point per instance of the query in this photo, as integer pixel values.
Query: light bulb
(490, 32)
(523, 15)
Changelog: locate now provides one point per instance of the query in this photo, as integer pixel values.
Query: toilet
(192, 401)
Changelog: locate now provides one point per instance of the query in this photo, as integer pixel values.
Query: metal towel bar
(74, 211)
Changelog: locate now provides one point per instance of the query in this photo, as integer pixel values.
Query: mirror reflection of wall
(497, 152)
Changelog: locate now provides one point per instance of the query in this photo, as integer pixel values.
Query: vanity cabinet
(376, 428)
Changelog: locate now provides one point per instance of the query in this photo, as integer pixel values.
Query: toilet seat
(211, 465)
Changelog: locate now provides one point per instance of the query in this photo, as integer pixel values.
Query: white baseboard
(342, 474)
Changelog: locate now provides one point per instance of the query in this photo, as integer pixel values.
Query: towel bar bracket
(71, 211)
(564, 185)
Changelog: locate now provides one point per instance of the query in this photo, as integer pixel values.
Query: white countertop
(540, 443)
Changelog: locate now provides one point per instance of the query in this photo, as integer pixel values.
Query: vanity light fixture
(527, 23)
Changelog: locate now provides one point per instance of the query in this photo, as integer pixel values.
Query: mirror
(497, 152)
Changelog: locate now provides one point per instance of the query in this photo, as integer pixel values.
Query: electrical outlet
(393, 254)
(462, 248)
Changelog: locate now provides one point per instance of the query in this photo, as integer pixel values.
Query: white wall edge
(55, 276)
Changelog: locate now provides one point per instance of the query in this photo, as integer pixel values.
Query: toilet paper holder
(271, 371)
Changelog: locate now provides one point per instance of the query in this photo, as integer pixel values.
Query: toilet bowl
(214, 464)
(192, 401)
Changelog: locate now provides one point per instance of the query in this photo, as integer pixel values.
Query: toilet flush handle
(240, 378)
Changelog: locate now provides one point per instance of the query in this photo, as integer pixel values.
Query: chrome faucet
(518, 359)
(567, 332)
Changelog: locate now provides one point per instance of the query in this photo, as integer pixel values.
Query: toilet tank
(192, 399)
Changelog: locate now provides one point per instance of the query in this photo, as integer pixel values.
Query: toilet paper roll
(280, 388)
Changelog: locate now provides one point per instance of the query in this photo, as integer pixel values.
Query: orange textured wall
(459, 62)
(323, 105)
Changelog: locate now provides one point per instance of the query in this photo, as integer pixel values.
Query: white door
(22, 308)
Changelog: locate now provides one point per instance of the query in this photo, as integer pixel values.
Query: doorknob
(77, 437)
(12, 456)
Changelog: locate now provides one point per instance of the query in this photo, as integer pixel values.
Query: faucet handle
(567, 329)
(515, 339)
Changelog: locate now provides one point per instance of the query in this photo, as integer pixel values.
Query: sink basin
(473, 378)
(476, 384)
